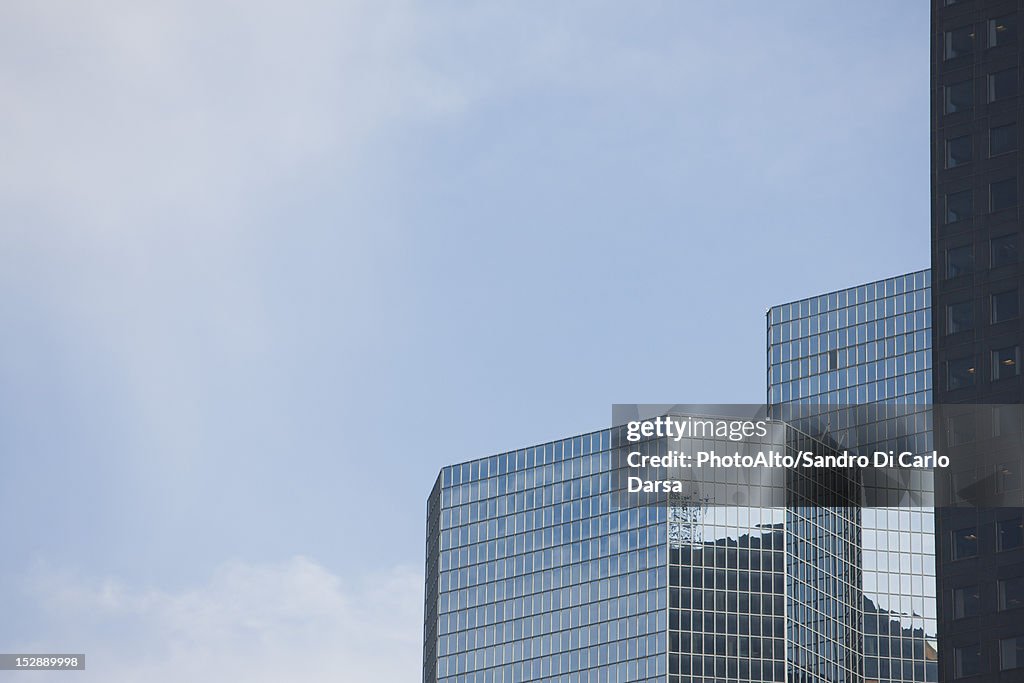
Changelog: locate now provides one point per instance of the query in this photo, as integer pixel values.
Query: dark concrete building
(976, 172)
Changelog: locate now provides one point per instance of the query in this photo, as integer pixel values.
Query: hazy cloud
(250, 622)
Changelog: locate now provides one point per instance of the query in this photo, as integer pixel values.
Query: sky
(265, 268)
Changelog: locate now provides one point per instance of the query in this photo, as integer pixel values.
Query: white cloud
(274, 622)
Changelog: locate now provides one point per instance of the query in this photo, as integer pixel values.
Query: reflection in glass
(965, 543)
(1005, 250)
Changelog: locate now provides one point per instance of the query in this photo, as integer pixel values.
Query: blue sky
(266, 269)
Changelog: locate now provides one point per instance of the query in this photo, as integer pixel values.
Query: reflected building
(539, 569)
(853, 367)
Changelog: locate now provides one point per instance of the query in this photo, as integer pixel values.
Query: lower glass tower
(853, 367)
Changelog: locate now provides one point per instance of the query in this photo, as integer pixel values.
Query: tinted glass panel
(960, 373)
(1006, 362)
(961, 429)
(1002, 139)
(959, 317)
(1002, 30)
(958, 151)
(959, 261)
(959, 206)
(1011, 653)
(1006, 420)
(1002, 84)
(1004, 250)
(966, 602)
(959, 97)
(1009, 534)
(1005, 306)
(1011, 593)
(959, 42)
(967, 661)
(1003, 194)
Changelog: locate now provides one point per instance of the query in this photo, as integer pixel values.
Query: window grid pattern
(879, 333)
(870, 345)
(766, 594)
(541, 577)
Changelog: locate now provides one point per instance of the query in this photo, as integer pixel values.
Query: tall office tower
(977, 165)
(539, 568)
(535, 574)
(853, 368)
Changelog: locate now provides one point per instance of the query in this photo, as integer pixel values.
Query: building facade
(976, 171)
(853, 368)
(535, 573)
(538, 568)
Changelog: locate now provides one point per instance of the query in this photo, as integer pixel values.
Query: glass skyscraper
(853, 367)
(538, 569)
(535, 574)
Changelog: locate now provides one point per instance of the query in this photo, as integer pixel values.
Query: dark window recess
(1002, 139)
(1006, 420)
(1011, 593)
(959, 317)
(1005, 250)
(1002, 194)
(1002, 30)
(958, 151)
(833, 360)
(1007, 476)
(959, 206)
(1005, 306)
(1010, 534)
(966, 661)
(959, 97)
(1006, 362)
(959, 42)
(959, 261)
(1002, 84)
(965, 543)
(966, 602)
(960, 373)
(1011, 653)
(961, 429)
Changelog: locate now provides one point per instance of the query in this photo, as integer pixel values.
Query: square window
(1002, 30)
(959, 317)
(958, 97)
(959, 206)
(1002, 139)
(1002, 84)
(959, 42)
(1002, 194)
(966, 602)
(959, 261)
(1011, 653)
(1005, 306)
(958, 151)
(960, 373)
(1010, 534)
(1005, 250)
(1011, 593)
(1006, 362)
(967, 661)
